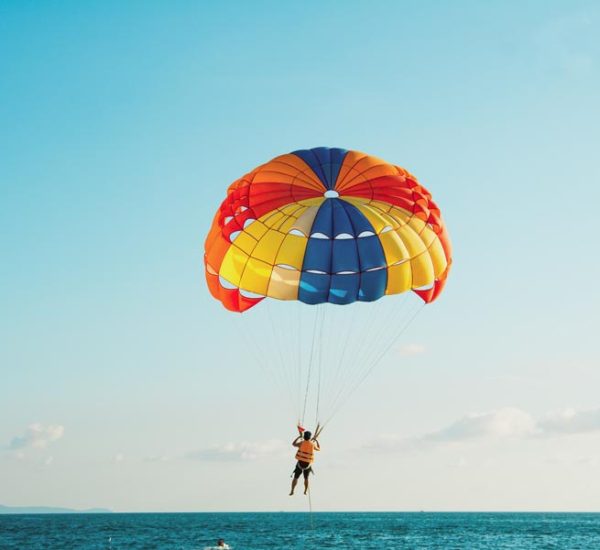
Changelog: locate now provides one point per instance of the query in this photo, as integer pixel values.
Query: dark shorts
(302, 468)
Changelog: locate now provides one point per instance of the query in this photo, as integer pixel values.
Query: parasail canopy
(326, 225)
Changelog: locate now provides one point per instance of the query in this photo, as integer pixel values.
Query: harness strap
(309, 467)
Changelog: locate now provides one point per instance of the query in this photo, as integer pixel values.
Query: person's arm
(296, 442)
(317, 445)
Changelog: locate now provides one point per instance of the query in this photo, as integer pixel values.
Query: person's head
(221, 542)
(307, 436)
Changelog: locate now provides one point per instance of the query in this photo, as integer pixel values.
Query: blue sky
(122, 125)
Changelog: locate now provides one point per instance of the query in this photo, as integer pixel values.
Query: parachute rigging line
(321, 330)
(257, 352)
(310, 363)
(286, 371)
(310, 510)
(373, 365)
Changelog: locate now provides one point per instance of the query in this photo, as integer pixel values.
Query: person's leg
(297, 474)
(306, 474)
(294, 483)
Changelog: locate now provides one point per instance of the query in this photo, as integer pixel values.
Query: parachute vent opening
(344, 236)
(296, 232)
(423, 288)
(319, 236)
(226, 284)
(227, 219)
(331, 194)
(316, 272)
(248, 294)
(286, 266)
(386, 229)
(248, 222)
(234, 235)
(366, 234)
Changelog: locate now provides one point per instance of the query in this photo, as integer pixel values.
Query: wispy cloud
(157, 458)
(411, 349)
(506, 423)
(37, 436)
(241, 451)
(570, 421)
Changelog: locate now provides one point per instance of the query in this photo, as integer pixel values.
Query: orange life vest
(306, 452)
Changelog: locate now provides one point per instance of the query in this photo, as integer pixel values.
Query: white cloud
(412, 349)
(461, 462)
(157, 458)
(570, 421)
(509, 422)
(242, 451)
(569, 458)
(37, 436)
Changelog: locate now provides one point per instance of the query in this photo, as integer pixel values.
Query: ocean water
(305, 531)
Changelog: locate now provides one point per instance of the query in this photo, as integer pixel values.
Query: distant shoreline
(23, 510)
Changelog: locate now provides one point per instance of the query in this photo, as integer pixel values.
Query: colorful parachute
(326, 225)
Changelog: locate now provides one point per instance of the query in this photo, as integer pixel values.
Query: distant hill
(49, 510)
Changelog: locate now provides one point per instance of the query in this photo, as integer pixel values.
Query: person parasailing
(306, 445)
(325, 226)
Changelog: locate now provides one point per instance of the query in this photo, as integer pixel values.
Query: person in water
(222, 544)
(305, 456)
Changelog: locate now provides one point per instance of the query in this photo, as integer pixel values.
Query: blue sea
(245, 531)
